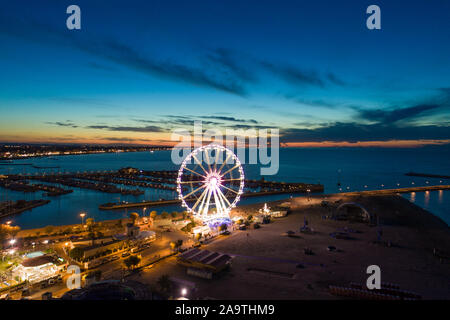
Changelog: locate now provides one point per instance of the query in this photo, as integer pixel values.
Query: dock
(426, 175)
(398, 190)
(29, 205)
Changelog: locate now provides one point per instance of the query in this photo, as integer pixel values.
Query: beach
(267, 264)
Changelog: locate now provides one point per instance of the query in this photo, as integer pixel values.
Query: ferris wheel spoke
(199, 163)
(216, 158)
(192, 181)
(201, 187)
(207, 160)
(195, 172)
(203, 201)
(206, 207)
(233, 168)
(202, 196)
(223, 164)
(235, 179)
(217, 202)
(223, 196)
(229, 189)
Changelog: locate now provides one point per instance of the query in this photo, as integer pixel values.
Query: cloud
(391, 116)
(354, 132)
(68, 123)
(128, 128)
(225, 59)
(121, 54)
(394, 114)
(187, 120)
(231, 119)
(246, 126)
(311, 102)
(127, 56)
(335, 79)
(124, 139)
(295, 75)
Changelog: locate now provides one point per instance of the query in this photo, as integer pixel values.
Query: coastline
(248, 208)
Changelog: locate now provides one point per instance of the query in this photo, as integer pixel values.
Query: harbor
(89, 177)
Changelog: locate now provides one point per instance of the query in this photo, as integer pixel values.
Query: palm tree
(134, 216)
(132, 261)
(90, 223)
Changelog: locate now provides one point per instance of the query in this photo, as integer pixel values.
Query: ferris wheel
(210, 182)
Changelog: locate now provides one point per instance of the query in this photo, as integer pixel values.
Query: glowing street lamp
(12, 241)
(183, 292)
(8, 222)
(82, 215)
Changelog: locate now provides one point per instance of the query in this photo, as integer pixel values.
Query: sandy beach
(268, 264)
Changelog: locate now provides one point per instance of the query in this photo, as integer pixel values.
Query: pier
(398, 190)
(12, 208)
(426, 175)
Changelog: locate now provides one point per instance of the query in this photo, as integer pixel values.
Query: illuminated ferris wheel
(210, 182)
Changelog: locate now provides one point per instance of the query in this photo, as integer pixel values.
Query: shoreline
(256, 206)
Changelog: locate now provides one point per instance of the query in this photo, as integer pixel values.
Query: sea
(340, 169)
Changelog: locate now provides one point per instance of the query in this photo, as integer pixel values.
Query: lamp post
(82, 215)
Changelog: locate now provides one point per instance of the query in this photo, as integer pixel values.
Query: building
(93, 250)
(204, 263)
(38, 268)
(132, 231)
(278, 214)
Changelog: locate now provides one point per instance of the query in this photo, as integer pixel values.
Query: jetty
(12, 208)
(398, 190)
(426, 175)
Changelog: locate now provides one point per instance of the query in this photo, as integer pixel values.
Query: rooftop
(38, 261)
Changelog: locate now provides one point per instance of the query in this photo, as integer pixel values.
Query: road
(113, 269)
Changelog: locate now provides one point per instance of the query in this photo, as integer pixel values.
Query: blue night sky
(138, 69)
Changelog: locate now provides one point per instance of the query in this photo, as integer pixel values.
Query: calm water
(354, 168)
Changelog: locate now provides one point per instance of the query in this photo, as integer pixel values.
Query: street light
(183, 292)
(82, 215)
(8, 222)
(12, 241)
